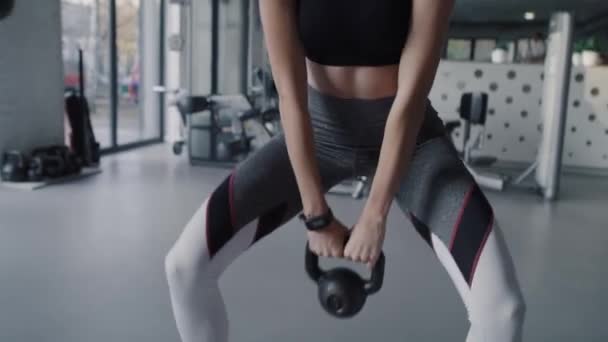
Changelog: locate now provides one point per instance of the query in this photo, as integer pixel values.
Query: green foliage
(578, 46)
(591, 44)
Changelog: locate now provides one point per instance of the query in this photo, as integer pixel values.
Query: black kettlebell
(14, 167)
(35, 171)
(342, 292)
(6, 7)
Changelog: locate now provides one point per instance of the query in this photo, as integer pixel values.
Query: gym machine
(224, 118)
(547, 167)
(214, 126)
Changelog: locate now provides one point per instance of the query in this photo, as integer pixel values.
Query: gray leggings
(437, 194)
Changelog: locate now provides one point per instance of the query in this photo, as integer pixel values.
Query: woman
(353, 78)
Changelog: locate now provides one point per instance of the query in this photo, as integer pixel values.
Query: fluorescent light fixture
(529, 15)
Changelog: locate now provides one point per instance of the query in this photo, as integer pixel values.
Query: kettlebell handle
(377, 278)
(373, 285)
(312, 265)
(312, 262)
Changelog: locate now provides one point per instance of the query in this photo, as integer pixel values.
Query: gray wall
(31, 76)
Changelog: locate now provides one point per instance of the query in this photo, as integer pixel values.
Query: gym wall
(513, 124)
(31, 76)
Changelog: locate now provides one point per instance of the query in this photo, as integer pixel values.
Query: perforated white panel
(513, 125)
(587, 125)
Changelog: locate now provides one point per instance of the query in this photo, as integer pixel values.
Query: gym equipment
(473, 112)
(6, 7)
(217, 123)
(82, 137)
(341, 291)
(44, 162)
(35, 170)
(52, 162)
(547, 167)
(14, 167)
(213, 131)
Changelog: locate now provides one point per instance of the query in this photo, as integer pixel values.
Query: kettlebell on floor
(14, 167)
(43, 163)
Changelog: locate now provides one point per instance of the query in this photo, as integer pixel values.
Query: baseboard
(566, 169)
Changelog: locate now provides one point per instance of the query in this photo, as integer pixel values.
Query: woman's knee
(173, 267)
(183, 267)
(189, 256)
(504, 314)
(511, 309)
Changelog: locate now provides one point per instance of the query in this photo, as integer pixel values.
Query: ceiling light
(529, 15)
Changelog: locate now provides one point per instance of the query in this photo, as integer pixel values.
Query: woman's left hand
(366, 240)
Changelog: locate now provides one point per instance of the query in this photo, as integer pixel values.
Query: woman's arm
(418, 65)
(288, 66)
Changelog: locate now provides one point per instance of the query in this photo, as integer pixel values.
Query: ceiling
(512, 11)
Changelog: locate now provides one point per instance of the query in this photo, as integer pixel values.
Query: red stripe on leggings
(467, 198)
(483, 243)
(231, 201)
(206, 205)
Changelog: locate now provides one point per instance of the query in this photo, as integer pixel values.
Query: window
(85, 25)
(483, 49)
(459, 49)
(121, 43)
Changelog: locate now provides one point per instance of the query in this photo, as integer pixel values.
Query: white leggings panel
(198, 307)
(494, 302)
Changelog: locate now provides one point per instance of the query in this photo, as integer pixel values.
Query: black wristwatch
(317, 222)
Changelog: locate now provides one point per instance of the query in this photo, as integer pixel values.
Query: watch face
(318, 224)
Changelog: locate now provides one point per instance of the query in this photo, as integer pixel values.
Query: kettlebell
(35, 171)
(341, 291)
(14, 167)
(6, 7)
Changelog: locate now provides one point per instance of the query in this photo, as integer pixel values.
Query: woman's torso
(353, 47)
(358, 82)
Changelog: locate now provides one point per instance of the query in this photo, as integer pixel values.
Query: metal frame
(114, 106)
(161, 71)
(215, 45)
(245, 45)
(113, 75)
(472, 51)
(214, 65)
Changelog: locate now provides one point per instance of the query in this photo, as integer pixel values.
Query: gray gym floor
(84, 262)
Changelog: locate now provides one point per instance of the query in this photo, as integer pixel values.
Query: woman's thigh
(262, 194)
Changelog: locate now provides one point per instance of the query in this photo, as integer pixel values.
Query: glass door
(138, 69)
(123, 48)
(85, 26)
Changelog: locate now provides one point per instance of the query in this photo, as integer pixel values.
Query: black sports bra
(354, 32)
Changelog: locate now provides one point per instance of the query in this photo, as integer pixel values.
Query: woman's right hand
(329, 241)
